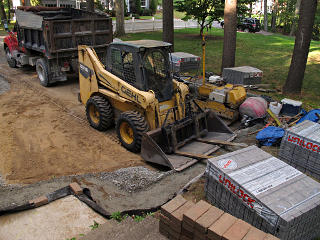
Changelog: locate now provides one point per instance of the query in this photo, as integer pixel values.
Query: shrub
(153, 6)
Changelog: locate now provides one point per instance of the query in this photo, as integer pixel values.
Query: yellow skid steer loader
(152, 112)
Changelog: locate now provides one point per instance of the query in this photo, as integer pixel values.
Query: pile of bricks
(185, 220)
(300, 147)
(266, 192)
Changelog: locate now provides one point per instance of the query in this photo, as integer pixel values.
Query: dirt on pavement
(127, 229)
(39, 140)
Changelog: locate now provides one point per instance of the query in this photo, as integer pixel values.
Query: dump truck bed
(57, 32)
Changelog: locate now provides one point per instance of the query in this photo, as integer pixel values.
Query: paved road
(136, 25)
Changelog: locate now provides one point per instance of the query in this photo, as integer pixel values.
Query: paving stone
(42, 200)
(266, 192)
(177, 215)
(207, 219)
(199, 235)
(172, 205)
(75, 187)
(237, 231)
(217, 229)
(255, 234)
(270, 237)
(195, 212)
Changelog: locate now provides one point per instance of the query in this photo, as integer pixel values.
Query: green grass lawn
(272, 54)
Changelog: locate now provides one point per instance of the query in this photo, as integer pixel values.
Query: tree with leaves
(137, 7)
(295, 17)
(299, 59)
(203, 11)
(2, 12)
(35, 2)
(153, 6)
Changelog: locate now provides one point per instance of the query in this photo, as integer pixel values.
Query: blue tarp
(269, 135)
(311, 115)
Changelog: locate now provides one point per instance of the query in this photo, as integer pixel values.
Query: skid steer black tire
(138, 125)
(99, 113)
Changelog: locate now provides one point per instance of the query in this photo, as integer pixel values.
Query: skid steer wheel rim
(126, 133)
(94, 114)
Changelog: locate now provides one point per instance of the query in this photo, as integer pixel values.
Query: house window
(144, 3)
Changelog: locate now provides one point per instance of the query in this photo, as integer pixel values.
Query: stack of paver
(300, 147)
(266, 192)
(185, 220)
(244, 75)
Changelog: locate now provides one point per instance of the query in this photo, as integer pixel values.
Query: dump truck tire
(11, 61)
(130, 128)
(99, 113)
(42, 69)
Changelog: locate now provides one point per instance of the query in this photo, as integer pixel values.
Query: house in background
(62, 3)
(76, 3)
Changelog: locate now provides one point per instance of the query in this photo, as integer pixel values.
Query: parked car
(246, 25)
(249, 25)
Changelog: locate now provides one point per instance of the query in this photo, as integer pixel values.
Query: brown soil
(40, 140)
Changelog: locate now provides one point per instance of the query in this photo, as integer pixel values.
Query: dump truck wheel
(99, 113)
(11, 61)
(130, 128)
(43, 72)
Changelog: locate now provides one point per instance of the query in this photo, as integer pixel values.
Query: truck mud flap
(183, 144)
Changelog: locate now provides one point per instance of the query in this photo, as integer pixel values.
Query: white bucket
(275, 107)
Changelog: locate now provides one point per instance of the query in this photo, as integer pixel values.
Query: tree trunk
(167, 28)
(293, 26)
(299, 59)
(119, 7)
(2, 12)
(250, 11)
(230, 34)
(9, 8)
(90, 5)
(274, 16)
(265, 16)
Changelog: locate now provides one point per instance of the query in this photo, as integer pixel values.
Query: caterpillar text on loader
(151, 111)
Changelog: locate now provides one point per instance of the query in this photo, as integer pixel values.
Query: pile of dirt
(39, 140)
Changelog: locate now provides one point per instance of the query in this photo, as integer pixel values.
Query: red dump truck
(48, 38)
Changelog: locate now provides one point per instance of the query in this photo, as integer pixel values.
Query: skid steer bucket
(184, 142)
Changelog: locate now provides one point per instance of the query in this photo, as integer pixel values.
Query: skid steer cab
(152, 113)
